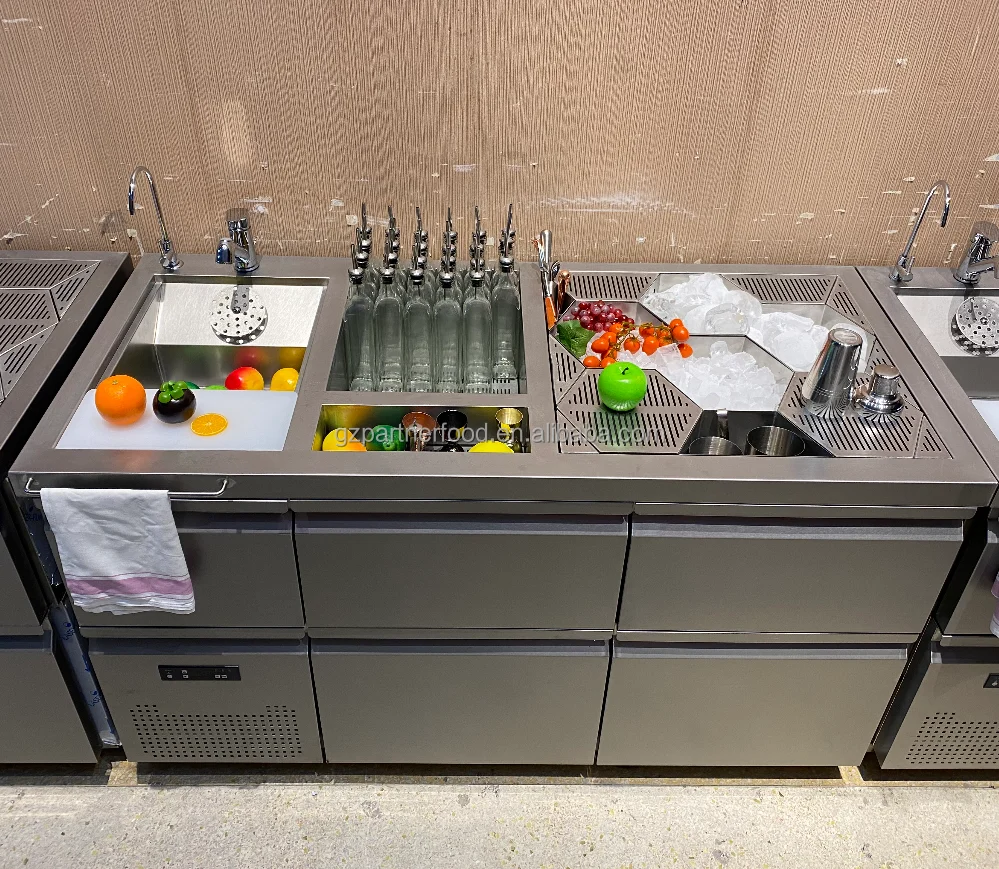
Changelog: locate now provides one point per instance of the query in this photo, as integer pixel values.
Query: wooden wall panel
(703, 130)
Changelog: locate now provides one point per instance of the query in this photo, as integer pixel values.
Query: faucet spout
(902, 270)
(238, 248)
(168, 257)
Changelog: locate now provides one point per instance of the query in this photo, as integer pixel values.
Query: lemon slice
(209, 424)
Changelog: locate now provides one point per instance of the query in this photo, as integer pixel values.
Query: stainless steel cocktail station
(50, 304)
(465, 608)
(946, 712)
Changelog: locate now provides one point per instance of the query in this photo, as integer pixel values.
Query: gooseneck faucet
(902, 271)
(978, 257)
(238, 248)
(168, 257)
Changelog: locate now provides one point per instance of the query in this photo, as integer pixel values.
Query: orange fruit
(342, 440)
(120, 399)
(209, 424)
(284, 380)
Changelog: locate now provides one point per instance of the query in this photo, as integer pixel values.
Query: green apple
(622, 386)
(385, 438)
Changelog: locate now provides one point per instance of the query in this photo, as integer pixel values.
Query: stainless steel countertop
(930, 344)
(544, 477)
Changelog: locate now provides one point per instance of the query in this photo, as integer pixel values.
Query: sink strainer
(975, 326)
(237, 315)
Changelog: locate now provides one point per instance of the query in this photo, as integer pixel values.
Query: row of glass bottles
(424, 330)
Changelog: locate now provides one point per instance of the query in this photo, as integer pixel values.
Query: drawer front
(242, 570)
(720, 705)
(794, 577)
(39, 722)
(461, 572)
(973, 613)
(442, 702)
(950, 717)
(210, 702)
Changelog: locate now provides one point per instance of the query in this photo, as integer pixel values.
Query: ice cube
(725, 319)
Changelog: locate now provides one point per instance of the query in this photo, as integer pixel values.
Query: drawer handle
(34, 491)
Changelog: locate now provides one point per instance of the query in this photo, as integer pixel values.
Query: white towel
(119, 549)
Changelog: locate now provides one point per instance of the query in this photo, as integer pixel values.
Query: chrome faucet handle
(168, 256)
(238, 248)
(901, 272)
(979, 256)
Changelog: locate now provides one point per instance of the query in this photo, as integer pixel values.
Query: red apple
(245, 378)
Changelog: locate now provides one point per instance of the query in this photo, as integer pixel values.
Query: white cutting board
(989, 409)
(258, 420)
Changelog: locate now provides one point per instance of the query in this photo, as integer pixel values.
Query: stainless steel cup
(882, 396)
(828, 388)
(713, 446)
(773, 441)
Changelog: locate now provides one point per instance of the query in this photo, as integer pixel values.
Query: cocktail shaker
(882, 396)
(828, 388)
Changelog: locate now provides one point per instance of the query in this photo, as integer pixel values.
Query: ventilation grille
(840, 300)
(565, 368)
(660, 424)
(612, 287)
(797, 289)
(273, 735)
(945, 740)
(852, 435)
(14, 362)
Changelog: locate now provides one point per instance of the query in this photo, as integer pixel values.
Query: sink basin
(172, 338)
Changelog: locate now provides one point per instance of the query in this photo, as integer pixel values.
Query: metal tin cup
(451, 424)
(419, 427)
(713, 446)
(828, 388)
(773, 441)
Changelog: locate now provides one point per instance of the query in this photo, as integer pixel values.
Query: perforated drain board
(945, 740)
(34, 295)
(787, 289)
(659, 425)
(611, 286)
(273, 733)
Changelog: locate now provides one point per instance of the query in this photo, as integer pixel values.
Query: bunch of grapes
(598, 315)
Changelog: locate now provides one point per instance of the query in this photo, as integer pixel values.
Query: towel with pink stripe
(994, 627)
(119, 550)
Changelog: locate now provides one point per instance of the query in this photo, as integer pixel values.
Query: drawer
(552, 572)
(794, 576)
(210, 701)
(947, 714)
(243, 572)
(39, 722)
(745, 705)
(460, 702)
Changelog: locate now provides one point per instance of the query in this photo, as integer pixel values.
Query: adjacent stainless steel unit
(49, 307)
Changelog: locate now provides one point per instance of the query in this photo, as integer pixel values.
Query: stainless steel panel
(750, 705)
(947, 715)
(39, 722)
(460, 572)
(243, 572)
(16, 607)
(461, 702)
(974, 609)
(795, 576)
(267, 716)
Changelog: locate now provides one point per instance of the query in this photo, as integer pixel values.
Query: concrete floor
(245, 820)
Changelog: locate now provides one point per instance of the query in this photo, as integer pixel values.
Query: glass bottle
(419, 326)
(389, 340)
(448, 337)
(359, 332)
(477, 314)
(506, 323)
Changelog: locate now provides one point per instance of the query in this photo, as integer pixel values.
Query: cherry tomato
(679, 333)
(685, 350)
(606, 361)
(676, 321)
(611, 354)
(632, 345)
(601, 344)
(591, 362)
(650, 345)
(615, 328)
